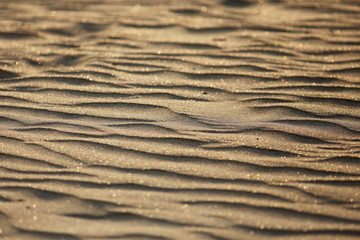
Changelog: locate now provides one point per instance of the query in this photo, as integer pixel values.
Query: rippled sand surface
(179, 119)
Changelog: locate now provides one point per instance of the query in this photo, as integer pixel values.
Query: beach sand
(179, 119)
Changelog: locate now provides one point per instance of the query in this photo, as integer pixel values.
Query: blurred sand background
(179, 119)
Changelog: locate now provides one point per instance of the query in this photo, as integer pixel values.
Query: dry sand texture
(179, 119)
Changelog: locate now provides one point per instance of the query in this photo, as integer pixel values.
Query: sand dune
(179, 119)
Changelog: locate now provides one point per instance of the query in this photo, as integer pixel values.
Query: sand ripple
(179, 119)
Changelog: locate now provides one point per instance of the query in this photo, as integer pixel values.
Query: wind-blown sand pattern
(179, 119)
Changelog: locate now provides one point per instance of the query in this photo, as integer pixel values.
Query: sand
(179, 119)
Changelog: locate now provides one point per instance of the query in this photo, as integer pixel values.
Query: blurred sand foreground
(179, 119)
